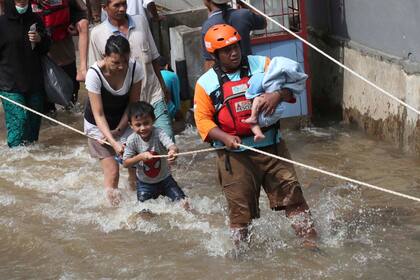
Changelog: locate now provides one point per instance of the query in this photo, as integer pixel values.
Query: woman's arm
(133, 97)
(172, 150)
(101, 122)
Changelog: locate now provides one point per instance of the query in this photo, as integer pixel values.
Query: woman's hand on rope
(118, 147)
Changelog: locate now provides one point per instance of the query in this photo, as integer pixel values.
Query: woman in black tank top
(105, 113)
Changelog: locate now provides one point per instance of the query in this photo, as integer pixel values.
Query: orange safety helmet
(220, 36)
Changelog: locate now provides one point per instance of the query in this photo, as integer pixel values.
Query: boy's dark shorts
(250, 171)
(167, 187)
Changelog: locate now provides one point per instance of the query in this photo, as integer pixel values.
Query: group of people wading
(127, 105)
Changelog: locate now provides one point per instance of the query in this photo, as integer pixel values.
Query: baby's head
(141, 117)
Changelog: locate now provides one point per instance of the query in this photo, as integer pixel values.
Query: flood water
(56, 224)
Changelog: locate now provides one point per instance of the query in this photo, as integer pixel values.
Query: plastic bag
(58, 85)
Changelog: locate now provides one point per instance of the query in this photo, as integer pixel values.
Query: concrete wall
(377, 114)
(179, 5)
(191, 18)
(185, 42)
(388, 26)
(373, 38)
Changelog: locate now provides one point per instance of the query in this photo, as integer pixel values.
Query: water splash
(7, 200)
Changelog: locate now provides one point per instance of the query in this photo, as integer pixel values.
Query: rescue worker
(244, 20)
(219, 108)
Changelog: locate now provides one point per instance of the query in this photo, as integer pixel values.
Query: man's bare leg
(239, 233)
(303, 224)
(111, 177)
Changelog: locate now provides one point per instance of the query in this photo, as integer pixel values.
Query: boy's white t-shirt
(93, 84)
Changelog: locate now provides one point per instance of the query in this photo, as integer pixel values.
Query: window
(286, 12)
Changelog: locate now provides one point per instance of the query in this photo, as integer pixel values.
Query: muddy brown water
(56, 224)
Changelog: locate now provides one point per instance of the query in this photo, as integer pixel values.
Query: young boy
(153, 175)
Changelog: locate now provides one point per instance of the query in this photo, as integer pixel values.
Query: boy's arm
(165, 139)
(131, 156)
(131, 161)
(169, 145)
(172, 150)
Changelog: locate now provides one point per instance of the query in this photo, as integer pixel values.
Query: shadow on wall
(326, 76)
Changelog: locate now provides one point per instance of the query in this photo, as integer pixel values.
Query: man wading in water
(219, 110)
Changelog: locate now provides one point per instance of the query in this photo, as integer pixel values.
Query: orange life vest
(233, 106)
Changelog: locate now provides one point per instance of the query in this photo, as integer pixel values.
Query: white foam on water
(219, 244)
(360, 258)
(7, 200)
(16, 153)
(206, 205)
(76, 197)
(47, 154)
(190, 223)
(337, 220)
(342, 217)
(318, 132)
(58, 153)
(70, 276)
(271, 232)
(8, 222)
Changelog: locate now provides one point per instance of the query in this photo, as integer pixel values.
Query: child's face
(142, 125)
